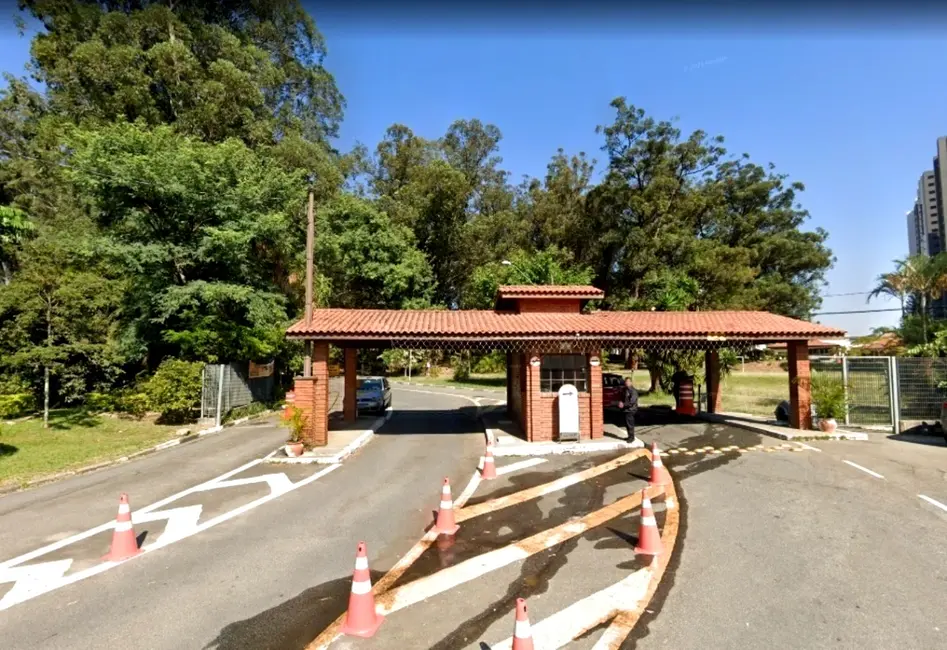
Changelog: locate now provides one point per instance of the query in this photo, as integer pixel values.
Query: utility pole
(310, 242)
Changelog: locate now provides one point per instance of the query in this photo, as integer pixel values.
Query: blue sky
(854, 115)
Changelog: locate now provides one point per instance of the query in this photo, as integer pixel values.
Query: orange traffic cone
(361, 619)
(445, 515)
(489, 470)
(522, 634)
(659, 473)
(649, 539)
(124, 543)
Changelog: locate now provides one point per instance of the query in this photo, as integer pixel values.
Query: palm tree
(891, 284)
(923, 276)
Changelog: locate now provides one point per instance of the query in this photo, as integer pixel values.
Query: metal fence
(888, 392)
(225, 387)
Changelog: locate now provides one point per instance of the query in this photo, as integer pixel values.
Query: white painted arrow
(31, 580)
(181, 522)
(279, 483)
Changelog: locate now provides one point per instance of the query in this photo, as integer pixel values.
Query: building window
(558, 369)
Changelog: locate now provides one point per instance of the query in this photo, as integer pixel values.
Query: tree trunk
(7, 272)
(49, 339)
(654, 371)
(46, 397)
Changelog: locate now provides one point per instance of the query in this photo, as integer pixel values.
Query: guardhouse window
(558, 369)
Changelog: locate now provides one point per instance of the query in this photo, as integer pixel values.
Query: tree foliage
(153, 201)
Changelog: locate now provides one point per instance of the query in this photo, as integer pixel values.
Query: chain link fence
(228, 386)
(889, 392)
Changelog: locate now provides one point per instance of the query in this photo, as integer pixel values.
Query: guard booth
(553, 345)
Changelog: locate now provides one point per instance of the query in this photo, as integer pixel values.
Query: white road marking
(279, 483)
(29, 580)
(180, 531)
(469, 490)
(523, 464)
(805, 446)
(864, 469)
(181, 521)
(564, 626)
(933, 502)
(458, 574)
(26, 557)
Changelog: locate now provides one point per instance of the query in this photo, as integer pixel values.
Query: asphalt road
(787, 549)
(269, 578)
(802, 550)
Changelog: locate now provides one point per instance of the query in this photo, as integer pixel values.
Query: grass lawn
(493, 381)
(74, 439)
(757, 393)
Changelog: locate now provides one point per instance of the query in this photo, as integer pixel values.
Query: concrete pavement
(780, 544)
(273, 576)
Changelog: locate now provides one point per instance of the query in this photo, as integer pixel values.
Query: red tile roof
(382, 324)
(550, 291)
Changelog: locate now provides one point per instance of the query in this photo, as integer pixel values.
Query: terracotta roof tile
(387, 324)
(549, 291)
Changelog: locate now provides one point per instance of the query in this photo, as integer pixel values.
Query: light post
(517, 269)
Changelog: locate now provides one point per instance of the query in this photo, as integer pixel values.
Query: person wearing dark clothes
(629, 405)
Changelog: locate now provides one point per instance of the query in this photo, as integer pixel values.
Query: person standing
(629, 406)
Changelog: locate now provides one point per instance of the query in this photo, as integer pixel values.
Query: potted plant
(830, 399)
(296, 422)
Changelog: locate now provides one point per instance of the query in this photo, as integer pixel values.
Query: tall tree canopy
(153, 201)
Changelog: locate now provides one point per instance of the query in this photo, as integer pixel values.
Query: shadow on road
(920, 436)
(292, 624)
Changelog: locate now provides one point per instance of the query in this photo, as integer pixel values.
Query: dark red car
(612, 384)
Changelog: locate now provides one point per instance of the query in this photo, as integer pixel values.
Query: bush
(828, 396)
(133, 402)
(101, 402)
(491, 363)
(175, 389)
(17, 404)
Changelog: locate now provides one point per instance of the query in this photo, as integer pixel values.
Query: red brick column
(350, 389)
(317, 431)
(595, 398)
(509, 384)
(534, 406)
(712, 375)
(800, 409)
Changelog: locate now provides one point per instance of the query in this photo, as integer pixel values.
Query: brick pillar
(350, 390)
(509, 384)
(597, 415)
(800, 409)
(712, 375)
(317, 433)
(533, 404)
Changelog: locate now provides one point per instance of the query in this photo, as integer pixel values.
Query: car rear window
(370, 384)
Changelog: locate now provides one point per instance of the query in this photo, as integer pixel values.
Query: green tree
(551, 266)
(14, 226)
(250, 69)
(208, 234)
(368, 260)
(58, 320)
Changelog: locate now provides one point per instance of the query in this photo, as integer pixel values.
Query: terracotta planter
(294, 449)
(828, 425)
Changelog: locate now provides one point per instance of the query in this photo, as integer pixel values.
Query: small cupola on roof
(545, 298)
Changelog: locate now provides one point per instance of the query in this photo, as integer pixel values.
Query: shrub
(133, 402)
(828, 396)
(17, 404)
(101, 402)
(491, 363)
(175, 389)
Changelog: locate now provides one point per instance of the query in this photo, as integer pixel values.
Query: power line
(853, 293)
(856, 311)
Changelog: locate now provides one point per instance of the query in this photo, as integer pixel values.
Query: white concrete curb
(789, 434)
(362, 440)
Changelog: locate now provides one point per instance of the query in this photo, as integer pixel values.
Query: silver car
(374, 394)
